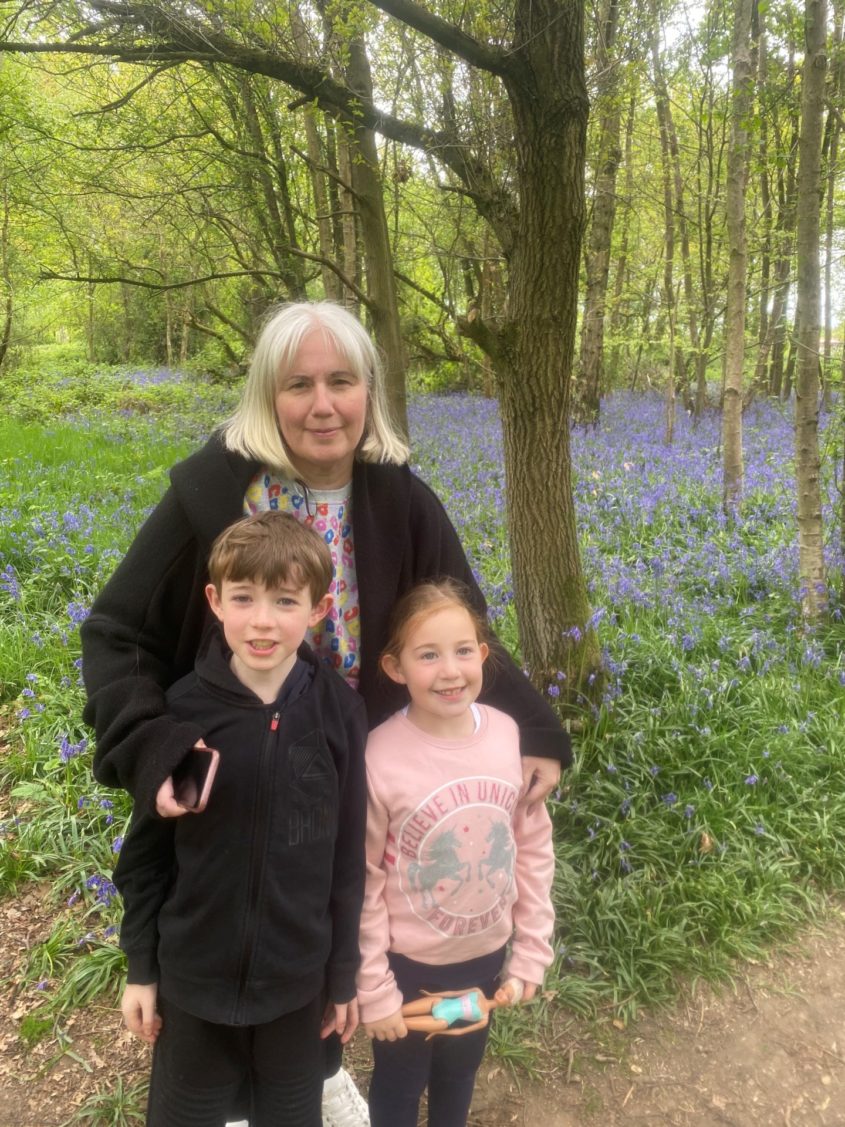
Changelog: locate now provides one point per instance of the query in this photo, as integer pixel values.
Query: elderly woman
(312, 436)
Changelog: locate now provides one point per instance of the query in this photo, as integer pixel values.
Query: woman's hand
(138, 1006)
(540, 777)
(390, 1028)
(340, 1018)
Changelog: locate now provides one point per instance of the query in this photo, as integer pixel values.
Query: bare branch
(446, 307)
(128, 96)
(447, 35)
(47, 275)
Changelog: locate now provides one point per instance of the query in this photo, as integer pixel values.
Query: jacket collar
(214, 671)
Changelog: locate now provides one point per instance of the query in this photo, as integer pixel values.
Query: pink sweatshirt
(455, 869)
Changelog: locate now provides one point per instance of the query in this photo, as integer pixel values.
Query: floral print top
(337, 639)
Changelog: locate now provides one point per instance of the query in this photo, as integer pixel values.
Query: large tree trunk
(807, 462)
(534, 361)
(732, 464)
(591, 363)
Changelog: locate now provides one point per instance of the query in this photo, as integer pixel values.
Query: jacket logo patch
(313, 782)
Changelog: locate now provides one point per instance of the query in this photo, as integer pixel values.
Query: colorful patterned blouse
(337, 639)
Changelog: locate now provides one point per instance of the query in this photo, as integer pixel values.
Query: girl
(455, 868)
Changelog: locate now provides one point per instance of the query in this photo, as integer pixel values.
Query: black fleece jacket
(146, 624)
(244, 912)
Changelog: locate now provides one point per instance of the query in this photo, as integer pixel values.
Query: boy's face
(264, 626)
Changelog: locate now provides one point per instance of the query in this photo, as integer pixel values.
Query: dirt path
(769, 1051)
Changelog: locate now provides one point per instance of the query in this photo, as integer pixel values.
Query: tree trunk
(732, 463)
(833, 129)
(534, 360)
(668, 212)
(591, 363)
(621, 280)
(764, 340)
(91, 290)
(378, 260)
(322, 207)
(787, 214)
(672, 168)
(348, 212)
(807, 462)
(8, 301)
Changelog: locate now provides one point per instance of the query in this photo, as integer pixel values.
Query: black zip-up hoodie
(244, 912)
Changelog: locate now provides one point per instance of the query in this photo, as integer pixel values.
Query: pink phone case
(193, 776)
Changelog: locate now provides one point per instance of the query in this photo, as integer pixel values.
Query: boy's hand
(138, 1006)
(391, 1028)
(340, 1018)
(540, 777)
(166, 804)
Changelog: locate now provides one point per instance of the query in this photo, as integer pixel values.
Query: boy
(240, 922)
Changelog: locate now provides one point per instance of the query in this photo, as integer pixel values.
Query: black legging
(199, 1068)
(446, 1065)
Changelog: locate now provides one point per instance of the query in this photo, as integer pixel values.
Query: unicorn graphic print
(455, 855)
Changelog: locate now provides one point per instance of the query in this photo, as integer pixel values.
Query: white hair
(253, 430)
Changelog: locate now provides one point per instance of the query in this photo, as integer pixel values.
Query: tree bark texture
(807, 462)
(591, 363)
(378, 260)
(661, 99)
(549, 101)
(741, 96)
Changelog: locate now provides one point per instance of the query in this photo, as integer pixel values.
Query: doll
(435, 1013)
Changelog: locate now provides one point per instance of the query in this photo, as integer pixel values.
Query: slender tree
(807, 461)
(591, 363)
(741, 97)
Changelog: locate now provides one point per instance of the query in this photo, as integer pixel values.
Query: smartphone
(193, 776)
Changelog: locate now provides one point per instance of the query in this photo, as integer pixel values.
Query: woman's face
(321, 407)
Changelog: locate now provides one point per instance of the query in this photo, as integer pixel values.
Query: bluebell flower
(670, 799)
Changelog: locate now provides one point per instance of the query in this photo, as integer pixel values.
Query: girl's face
(321, 408)
(441, 664)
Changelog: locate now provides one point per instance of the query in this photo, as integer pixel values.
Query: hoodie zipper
(258, 853)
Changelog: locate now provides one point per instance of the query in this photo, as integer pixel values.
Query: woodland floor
(768, 1050)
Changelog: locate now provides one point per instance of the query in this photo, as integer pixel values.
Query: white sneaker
(343, 1104)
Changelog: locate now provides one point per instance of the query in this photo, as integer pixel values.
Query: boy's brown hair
(274, 549)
